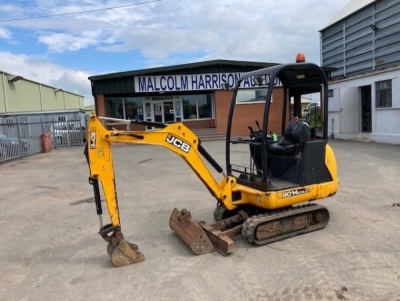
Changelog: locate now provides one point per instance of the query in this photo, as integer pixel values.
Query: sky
(62, 43)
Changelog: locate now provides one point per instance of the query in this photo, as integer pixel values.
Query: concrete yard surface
(50, 248)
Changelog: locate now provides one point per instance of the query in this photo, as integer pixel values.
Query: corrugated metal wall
(365, 41)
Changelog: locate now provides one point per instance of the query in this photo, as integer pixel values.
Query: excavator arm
(177, 138)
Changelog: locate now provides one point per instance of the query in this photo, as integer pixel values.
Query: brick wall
(247, 114)
(197, 124)
(100, 105)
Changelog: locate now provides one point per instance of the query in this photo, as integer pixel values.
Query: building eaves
(351, 8)
(184, 67)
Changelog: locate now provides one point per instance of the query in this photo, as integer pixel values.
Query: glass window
(114, 107)
(189, 107)
(204, 103)
(125, 108)
(133, 108)
(251, 95)
(384, 94)
(197, 106)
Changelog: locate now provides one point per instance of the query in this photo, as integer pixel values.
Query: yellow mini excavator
(265, 197)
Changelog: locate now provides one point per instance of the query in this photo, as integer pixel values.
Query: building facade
(189, 93)
(29, 109)
(362, 45)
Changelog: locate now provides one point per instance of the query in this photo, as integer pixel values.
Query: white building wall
(345, 109)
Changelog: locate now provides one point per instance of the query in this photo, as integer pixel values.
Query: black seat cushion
(277, 149)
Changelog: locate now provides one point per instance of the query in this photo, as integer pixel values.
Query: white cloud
(244, 30)
(5, 34)
(64, 42)
(76, 82)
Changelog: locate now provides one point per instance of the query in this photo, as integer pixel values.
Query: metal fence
(23, 136)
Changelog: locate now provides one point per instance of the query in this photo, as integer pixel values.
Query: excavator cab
(285, 152)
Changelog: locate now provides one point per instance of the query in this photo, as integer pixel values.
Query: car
(12, 146)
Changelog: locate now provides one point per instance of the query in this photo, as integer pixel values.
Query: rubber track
(249, 226)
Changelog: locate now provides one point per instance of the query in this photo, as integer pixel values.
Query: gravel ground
(51, 250)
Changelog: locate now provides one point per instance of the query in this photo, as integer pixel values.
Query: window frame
(384, 86)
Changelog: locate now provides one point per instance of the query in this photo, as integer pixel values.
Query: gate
(22, 136)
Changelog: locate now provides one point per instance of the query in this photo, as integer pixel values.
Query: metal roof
(352, 7)
(182, 67)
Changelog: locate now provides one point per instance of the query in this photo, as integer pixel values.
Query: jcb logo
(178, 143)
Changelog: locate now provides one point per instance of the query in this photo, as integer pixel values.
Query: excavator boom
(199, 236)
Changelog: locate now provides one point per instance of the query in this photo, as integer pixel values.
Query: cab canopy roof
(299, 78)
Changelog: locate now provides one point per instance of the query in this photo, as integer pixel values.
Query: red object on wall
(46, 143)
(212, 123)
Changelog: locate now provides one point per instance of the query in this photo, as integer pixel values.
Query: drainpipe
(5, 93)
(41, 97)
(320, 49)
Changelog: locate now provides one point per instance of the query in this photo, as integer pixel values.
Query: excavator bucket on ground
(124, 253)
(203, 238)
(121, 251)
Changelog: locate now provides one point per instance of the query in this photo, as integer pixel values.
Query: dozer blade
(190, 232)
(203, 238)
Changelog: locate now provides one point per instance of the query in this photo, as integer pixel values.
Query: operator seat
(296, 134)
(301, 133)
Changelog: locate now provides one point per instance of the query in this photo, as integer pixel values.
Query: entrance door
(366, 117)
(164, 111)
(169, 112)
(349, 110)
(158, 112)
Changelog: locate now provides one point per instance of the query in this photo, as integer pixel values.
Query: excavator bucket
(124, 253)
(121, 251)
(203, 238)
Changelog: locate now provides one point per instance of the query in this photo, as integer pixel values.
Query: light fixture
(374, 27)
(57, 90)
(258, 80)
(225, 86)
(14, 79)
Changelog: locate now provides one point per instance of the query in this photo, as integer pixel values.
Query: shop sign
(190, 82)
